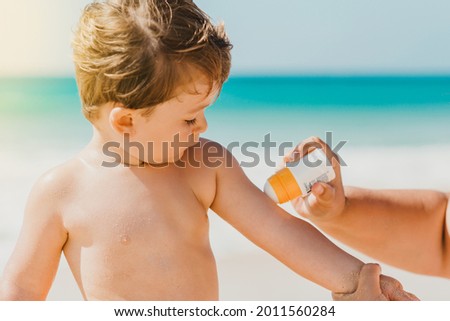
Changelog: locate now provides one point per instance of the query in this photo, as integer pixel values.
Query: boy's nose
(202, 124)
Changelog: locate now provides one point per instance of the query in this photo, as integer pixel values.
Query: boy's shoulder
(204, 162)
(56, 183)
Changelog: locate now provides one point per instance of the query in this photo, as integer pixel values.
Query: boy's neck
(102, 149)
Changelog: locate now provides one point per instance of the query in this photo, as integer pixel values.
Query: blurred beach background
(300, 69)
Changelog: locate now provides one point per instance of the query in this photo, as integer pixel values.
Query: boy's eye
(191, 122)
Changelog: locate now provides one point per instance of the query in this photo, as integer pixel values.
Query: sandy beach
(245, 271)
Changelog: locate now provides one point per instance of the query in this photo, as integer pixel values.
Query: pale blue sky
(270, 37)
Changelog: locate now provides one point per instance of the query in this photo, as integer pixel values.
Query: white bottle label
(312, 168)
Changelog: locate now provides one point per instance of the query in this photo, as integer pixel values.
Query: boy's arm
(32, 267)
(404, 228)
(293, 241)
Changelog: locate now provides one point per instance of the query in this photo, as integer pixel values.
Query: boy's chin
(170, 159)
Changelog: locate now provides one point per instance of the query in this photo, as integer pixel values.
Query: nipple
(124, 239)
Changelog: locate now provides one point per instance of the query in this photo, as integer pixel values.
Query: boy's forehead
(196, 85)
(199, 92)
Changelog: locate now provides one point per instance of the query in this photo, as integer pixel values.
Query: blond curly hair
(136, 52)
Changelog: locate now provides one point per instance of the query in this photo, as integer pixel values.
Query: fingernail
(319, 189)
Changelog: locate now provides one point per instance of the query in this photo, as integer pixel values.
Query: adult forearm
(400, 227)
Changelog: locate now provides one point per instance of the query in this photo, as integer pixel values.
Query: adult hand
(373, 286)
(326, 201)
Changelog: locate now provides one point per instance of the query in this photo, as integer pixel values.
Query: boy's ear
(121, 120)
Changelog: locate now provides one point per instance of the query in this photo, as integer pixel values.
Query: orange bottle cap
(284, 185)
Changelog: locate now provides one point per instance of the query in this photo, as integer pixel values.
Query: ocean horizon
(364, 110)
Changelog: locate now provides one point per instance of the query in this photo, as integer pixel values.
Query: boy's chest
(139, 209)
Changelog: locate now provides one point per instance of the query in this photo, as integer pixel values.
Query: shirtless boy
(132, 222)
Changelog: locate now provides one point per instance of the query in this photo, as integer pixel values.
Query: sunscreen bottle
(298, 177)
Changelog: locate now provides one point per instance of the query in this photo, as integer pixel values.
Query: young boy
(408, 229)
(130, 210)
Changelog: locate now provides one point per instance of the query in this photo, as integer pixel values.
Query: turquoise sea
(361, 110)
